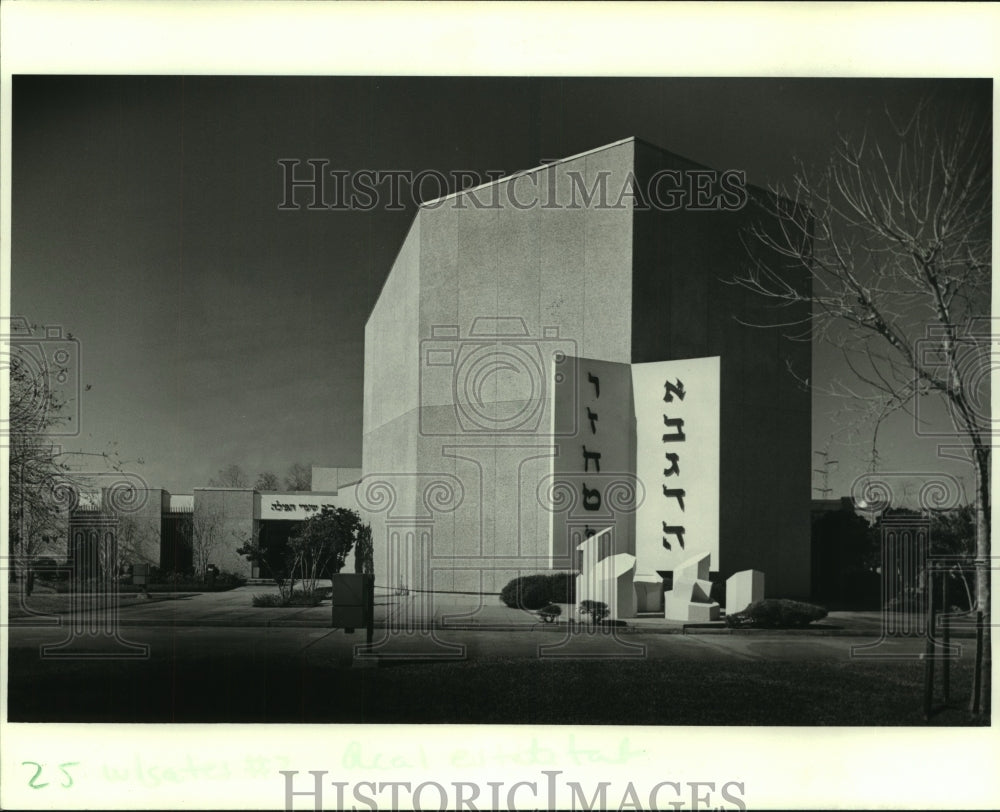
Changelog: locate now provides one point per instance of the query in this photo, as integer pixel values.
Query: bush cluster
(297, 598)
(776, 613)
(157, 582)
(160, 581)
(48, 569)
(533, 592)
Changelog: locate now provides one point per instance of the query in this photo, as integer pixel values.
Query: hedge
(533, 592)
(777, 613)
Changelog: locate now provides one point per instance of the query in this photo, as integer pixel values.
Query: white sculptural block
(690, 599)
(742, 589)
(676, 608)
(694, 569)
(607, 580)
(648, 593)
(701, 592)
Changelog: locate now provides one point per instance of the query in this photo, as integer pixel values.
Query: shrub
(597, 610)
(532, 592)
(47, 569)
(158, 576)
(776, 613)
(305, 598)
(527, 592)
(562, 587)
(549, 613)
(297, 598)
(229, 580)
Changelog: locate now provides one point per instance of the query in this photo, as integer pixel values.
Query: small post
(370, 607)
(977, 677)
(946, 640)
(929, 647)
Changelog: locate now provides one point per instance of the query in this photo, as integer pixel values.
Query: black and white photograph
(495, 430)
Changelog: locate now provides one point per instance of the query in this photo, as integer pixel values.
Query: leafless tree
(267, 481)
(232, 476)
(132, 544)
(43, 483)
(895, 237)
(299, 477)
(206, 536)
(37, 468)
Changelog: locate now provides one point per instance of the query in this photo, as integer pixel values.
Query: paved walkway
(442, 611)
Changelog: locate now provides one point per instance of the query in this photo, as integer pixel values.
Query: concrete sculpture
(742, 589)
(690, 600)
(648, 593)
(607, 579)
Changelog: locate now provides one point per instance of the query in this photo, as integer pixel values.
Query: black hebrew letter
(597, 383)
(591, 498)
(592, 417)
(675, 467)
(673, 389)
(675, 423)
(673, 530)
(676, 493)
(591, 455)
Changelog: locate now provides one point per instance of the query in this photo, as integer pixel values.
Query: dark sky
(216, 328)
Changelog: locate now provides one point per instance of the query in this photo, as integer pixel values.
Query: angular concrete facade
(492, 291)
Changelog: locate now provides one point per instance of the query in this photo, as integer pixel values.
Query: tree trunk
(982, 461)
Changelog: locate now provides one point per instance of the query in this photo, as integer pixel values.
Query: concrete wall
(330, 480)
(684, 308)
(503, 289)
(391, 394)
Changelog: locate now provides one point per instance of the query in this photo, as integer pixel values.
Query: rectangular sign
(300, 506)
(593, 483)
(677, 461)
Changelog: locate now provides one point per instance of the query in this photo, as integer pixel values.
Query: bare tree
(232, 476)
(37, 468)
(132, 542)
(206, 536)
(267, 481)
(896, 240)
(299, 477)
(43, 485)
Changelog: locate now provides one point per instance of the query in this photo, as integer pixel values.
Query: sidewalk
(446, 611)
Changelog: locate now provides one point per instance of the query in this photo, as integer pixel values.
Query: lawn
(54, 603)
(226, 688)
